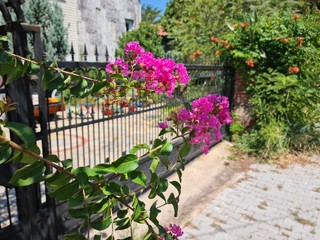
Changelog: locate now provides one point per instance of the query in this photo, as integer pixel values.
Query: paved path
(265, 203)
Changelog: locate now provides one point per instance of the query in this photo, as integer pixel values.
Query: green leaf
(154, 212)
(156, 143)
(58, 179)
(80, 88)
(112, 188)
(26, 158)
(65, 192)
(97, 237)
(162, 185)
(185, 130)
(154, 164)
(138, 177)
(81, 212)
(166, 149)
(117, 76)
(139, 147)
(172, 200)
(82, 179)
(32, 69)
(126, 164)
(5, 152)
(102, 205)
(51, 80)
(95, 87)
(74, 236)
(67, 163)
(53, 158)
(16, 71)
(4, 56)
(29, 174)
(166, 130)
(102, 224)
(185, 149)
(24, 132)
(123, 223)
(179, 173)
(122, 213)
(177, 185)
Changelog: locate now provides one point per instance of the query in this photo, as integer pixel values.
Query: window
(129, 24)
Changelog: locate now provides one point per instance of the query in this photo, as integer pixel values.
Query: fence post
(28, 198)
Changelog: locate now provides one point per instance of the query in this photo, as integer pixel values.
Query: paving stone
(266, 203)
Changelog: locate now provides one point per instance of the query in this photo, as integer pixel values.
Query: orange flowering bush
(280, 57)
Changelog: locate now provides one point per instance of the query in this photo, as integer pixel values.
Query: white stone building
(98, 23)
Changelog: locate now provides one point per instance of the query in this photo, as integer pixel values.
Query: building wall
(98, 23)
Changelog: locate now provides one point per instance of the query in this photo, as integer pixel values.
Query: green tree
(53, 34)
(150, 14)
(190, 24)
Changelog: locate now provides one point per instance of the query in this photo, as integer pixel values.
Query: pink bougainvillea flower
(133, 48)
(118, 66)
(206, 117)
(157, 74)
(163, 125)
(174, 230)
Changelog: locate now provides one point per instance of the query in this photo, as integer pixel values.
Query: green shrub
(280, 57)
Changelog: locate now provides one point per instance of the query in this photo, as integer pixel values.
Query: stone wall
(98, 23)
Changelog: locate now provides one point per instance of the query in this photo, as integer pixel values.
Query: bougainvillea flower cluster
(158, 74)
(205, 119)
(174, 230)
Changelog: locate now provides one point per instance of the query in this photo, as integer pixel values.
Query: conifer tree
(53, 34)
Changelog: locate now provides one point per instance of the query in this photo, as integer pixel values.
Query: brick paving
(267, 202)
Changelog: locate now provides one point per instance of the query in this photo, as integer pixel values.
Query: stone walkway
(267, 202)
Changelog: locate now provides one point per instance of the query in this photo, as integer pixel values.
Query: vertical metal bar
(76, 129)
(8, 206)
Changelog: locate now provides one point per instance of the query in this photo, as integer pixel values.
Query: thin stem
(30, 153)
(56, 69)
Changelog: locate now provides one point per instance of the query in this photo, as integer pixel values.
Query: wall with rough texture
(102, 22)
(98, 23)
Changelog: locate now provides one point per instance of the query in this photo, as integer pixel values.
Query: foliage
(53, 33)
(146, 35)
(190, 24)
(279, 55)
(100, 190)
(150, 14)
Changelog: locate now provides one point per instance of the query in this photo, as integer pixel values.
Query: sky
(161, 4)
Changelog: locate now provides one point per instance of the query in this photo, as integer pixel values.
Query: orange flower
(244, 25)
(294, 70)
(278, 39)
(285, 40)
(300, 41)
(218, 52)
(224, 42)
(250, 63)
(214, 39)
(228, 47)
(234, 25)
(295, 17)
